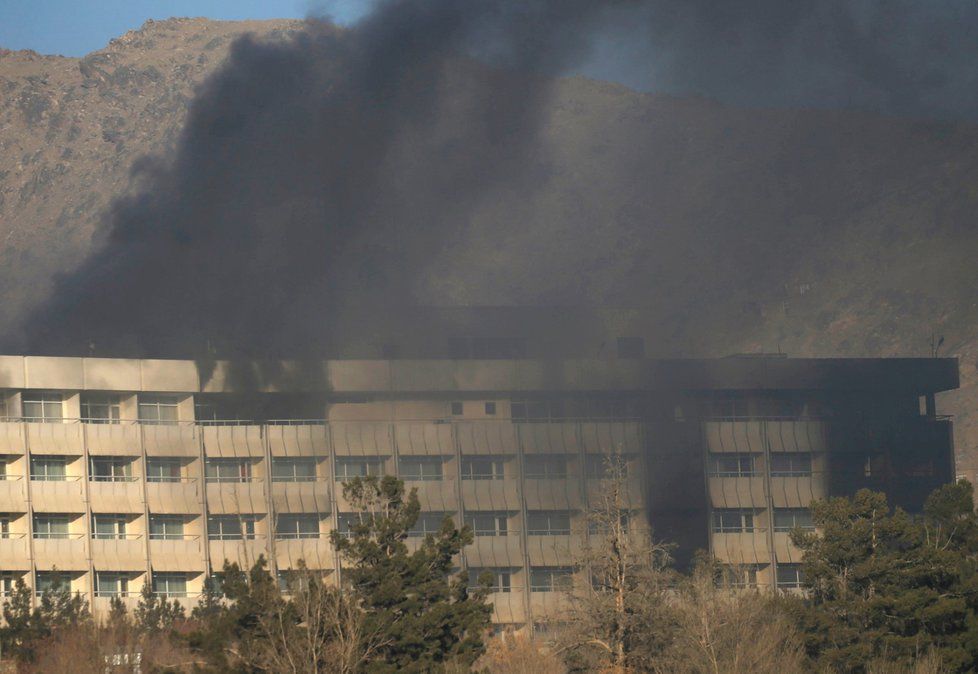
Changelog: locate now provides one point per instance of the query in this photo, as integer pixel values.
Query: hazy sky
(77, 27)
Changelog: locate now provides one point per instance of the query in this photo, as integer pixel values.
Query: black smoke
(317, 173)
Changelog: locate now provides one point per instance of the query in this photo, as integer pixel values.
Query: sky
(77, 27)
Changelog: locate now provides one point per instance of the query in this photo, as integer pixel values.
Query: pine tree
(155, 613)
(426, 613)
(882, 584)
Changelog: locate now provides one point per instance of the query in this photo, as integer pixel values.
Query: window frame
(494, 460)
(150, 407)
(420, 463)
(558, 578)
(717, 470)
(51, 406)
(550, 466)
(551, 528)
(744, 517)
(167, 522)
(297, 518)
(111, 402)
(279, 462)
(804, 459)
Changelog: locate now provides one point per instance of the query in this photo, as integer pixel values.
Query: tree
(621, 621)
(155, 612)
(25, 626)
(882, 584)
(426, 612)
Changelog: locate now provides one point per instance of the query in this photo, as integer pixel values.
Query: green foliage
(26, 626)
(155, 613)
(426, 614)
(884, 584)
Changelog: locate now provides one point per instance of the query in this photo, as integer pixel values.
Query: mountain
(723, 229)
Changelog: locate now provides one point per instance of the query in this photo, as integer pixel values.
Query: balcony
(739, 435)
(301, 497)
(435, 495)
(233, 441)
(103, 603)
(317, 553)
(15, 551)
(67, 554)
(57, 496)
(550, 438)
(491, 494)
(423, 439)
(556, 550)
(508, 607)
(298, 440)
(13, 494)
(170, 439)
(55, 438)
(737, 491)
(495, 551)
(552, 494)
(624, 437)
(361, 438)
(486, 437)
(242, 550)
(127, 552)
(12, 437)
(749, 547)
(182, 496)
(176, 553)
(232, 497)
(798, 491)
(119, 495)
(115, 439)
(784, 549)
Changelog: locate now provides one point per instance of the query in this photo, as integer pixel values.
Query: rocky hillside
(812, 232)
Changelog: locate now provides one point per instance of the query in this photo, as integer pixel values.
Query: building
(119, 472)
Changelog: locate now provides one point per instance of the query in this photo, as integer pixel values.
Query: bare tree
(620, 618)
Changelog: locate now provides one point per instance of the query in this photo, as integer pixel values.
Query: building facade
(119, 472)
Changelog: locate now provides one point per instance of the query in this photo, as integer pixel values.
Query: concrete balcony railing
(13, 439)
(15, 552)
(491, 494)
(798, 491)
(508, 607)
(423, 439)
(317, 553)
(784, 550)
(232, 441)
(58, 496)
(301, 497)
(742, 548)
(495, 551)
(13, 493)
(435, 495)
(623, 437)
(243, 551)
(552, 494)
(237, 497)
(555, 550)
(116, 439)
(103, 604)
(546, 606)
(116, 496)
(55, 438)
(66, 554)
(171, 439)
(174, 498)
(739, 436)
(796, 435)
(550, 438)
(125, 553)
(737, 491)
(177, 554)
(298, 440)
(487, 437)
(361, 438)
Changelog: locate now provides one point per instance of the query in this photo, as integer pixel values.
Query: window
(787, 519)
(346, 522)
(111, 584)
(49, 468)
(49, 581)
(3, 469)
(290, 580)
(501, 579)
(548, 523)
(790, 576)
(733, 521)
(293, 470)
(227, 470)
(551, 579)
(601, 466)
(731, 465)
(487, 523)
(110, 469)
(7, 583)
(791, 464)
(156, 409)
(490, 409)
(51, 526)
(740, 576)
(166, 527)
(5, 526)
(483, 467)
(170, 584)
(297, 526)
(349, 467)
(162, 470)
(456, 408)
(42, 407)
(599, 524)
(99, 409)
(108, 526)
(230, 527)
(428, 523)
(545, 467)
(422, 468)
